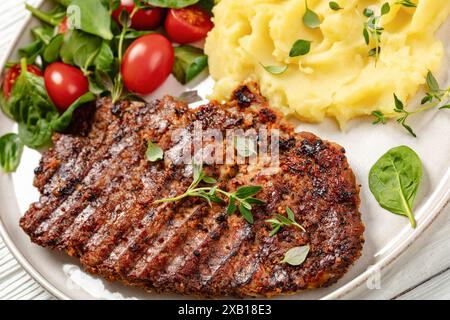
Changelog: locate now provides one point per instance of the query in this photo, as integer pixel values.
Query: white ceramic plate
(387, 235)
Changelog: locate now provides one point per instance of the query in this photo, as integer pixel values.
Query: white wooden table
(423, 272)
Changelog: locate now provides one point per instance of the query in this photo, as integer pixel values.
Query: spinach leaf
(53, 17)
(172, 3)
(43, 33)
(11, 149)
(105, 59)
(80, 49)
(36, 135)
(93, 17)
(208, 5)
(29, 99)
(189, 62)
(51, 52)
(62, 122)
(32, 51)
(30, 106)
(394, 180)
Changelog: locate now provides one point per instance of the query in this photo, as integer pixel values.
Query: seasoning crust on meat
(97, 192)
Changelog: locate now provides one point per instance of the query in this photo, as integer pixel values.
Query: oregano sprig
(242, 199)
(281, 221)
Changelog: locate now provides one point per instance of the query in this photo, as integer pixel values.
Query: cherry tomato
(63, 26)
(147, 63)
(64, 84)
(12, 74)
(144, 19)
(188, 24)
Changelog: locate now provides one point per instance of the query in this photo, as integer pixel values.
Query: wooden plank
(424, 260)
(436, 288)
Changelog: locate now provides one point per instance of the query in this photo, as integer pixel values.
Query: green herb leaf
(80, 49)
(276, 70)
(246, 214)
(296, 256)
(366, 36)
(247, 191)
(154, 152)
(310, 18)
(300, 48)
(209, 180)
(231, 206)
(398, 103)
(43, 33)
(407, 3)
(63, 122)
(53, 17)
(281, 221)
(447, 106)
(334, 6)
(255, 201)
(380, 117)
(172, 3)
(32, 51)
(290, 214)
(394, 180)
(385, 8)
(105, 59)
(11, 149)
(94, 17)
(368, 12)
(51, 52)
(30, 106)
(189, 63)
(432, 83)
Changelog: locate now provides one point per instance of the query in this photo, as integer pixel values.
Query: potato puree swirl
(336, 78)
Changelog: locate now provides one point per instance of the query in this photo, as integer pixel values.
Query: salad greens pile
(82, 34)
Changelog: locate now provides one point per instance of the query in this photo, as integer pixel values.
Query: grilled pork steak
(97, 192)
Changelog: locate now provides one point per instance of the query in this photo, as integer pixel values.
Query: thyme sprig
(435, 96)
(242, 199)
(281, 221)
(372, 29)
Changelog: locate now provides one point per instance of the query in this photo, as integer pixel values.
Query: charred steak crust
(97, 192)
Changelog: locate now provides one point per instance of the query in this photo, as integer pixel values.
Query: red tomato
(188, 24)
(147, 63)
(12, 74)
(144, 19)
(64, 84)
(63, 26)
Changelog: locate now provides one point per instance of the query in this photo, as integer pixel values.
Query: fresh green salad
(88, 49)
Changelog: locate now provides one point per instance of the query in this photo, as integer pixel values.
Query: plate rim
(437, 207)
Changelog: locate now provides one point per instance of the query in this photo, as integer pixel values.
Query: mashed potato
(336, 78)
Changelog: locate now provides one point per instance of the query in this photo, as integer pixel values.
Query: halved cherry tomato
(147, 63)
(144, 19)
(188, 24)
(63, 26)
(64, 84)
(12, 74)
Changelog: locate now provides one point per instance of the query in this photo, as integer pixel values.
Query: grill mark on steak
(106, 188)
